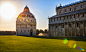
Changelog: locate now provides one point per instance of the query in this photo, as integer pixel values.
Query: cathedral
(26, 23)
(69, 21)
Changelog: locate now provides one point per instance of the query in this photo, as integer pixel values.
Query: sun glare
(7, 11)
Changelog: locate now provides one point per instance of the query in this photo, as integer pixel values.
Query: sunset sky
(41, 9)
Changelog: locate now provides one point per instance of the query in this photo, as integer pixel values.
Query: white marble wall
(23, 27)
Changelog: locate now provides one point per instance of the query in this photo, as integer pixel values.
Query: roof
(71, 13)
(26, 13)
(72, 4)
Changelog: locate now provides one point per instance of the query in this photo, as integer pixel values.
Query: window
(60, 11)
(23, 15)
(67, 17)
(70, 17)
(31, 20)
(62, 26)
(54, 19)
(51, 20)
(21, 30)
(83, 14)
(75, 8)
(29, 15)
(56, 26)
(33, 16)
(81, 6)
(64, 17)
(78, 15)
(69, 25)
(60, 18)
(74, 16)
(57, 19)
(65, 10)
(70, 9)
(77, 25)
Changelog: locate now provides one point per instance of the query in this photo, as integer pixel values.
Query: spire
(60, 4)
(48, 16)
(56, 6)
(26, 7)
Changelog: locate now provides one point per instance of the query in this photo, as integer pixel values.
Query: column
(52, 30)
(71, 29)
(55, 29)
(49, 30)
(75, 28)
(61, 29)
(83, 28)
(67, 28)
(64, 28)
(79, 28)
(75, 23)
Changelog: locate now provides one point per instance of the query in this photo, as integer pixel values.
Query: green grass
(39, 44)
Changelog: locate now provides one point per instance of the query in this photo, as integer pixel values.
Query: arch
(31, 32)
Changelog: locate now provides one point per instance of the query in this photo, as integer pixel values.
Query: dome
(26, 13)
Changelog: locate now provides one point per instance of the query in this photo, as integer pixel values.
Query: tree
(37, 31)
(41, 31)
(45, 30)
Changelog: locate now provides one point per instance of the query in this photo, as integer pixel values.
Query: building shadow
(61, 38)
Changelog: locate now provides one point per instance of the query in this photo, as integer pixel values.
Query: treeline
(41, 31)
(14, 32)
(7, 32)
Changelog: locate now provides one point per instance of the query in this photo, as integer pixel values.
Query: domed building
(26, 23)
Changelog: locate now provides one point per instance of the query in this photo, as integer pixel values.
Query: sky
(41, 9)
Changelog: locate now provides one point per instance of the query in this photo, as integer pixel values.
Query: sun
(7, 11)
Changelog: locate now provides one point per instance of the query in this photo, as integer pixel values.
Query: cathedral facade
(69, 21)
(26, 23)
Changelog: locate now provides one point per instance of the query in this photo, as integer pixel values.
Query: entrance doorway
(31, 32)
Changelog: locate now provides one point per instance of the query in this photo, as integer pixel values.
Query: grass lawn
(11, 43)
